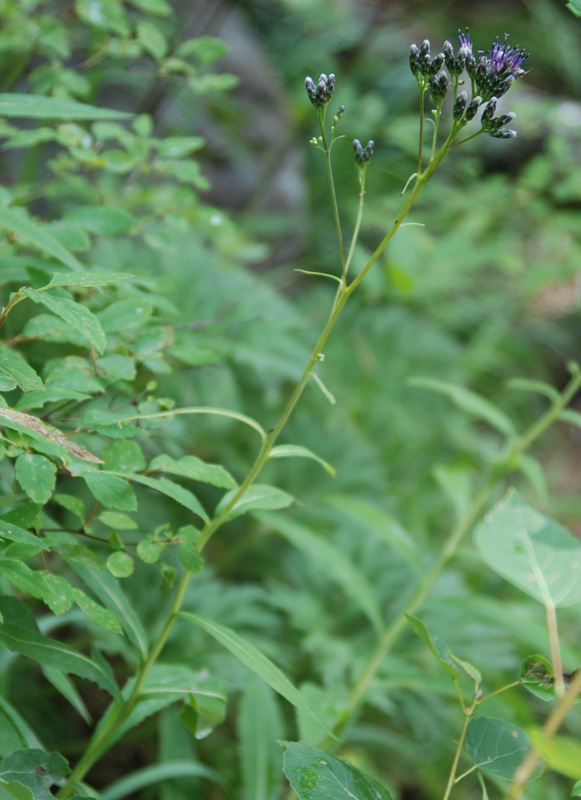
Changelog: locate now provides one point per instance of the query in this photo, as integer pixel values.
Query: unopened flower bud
(460, 106)
(439, 87)
(473, 107)
(362, 155)
(488, 112)
(320, 94)
(502, 134)
(414, 60)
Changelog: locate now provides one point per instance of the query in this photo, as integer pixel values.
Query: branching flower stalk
(496, 73)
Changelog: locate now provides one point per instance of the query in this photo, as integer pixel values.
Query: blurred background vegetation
(487, 291)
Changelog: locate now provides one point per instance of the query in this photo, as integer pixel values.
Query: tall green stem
(327, 151)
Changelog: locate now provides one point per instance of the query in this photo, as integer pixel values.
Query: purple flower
(505, 59)
(495, 74)
(465, 43)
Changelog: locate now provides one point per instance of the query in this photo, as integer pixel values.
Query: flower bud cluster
(362, 154)
(491, 74)
(321, 93)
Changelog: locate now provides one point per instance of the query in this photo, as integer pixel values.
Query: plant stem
(421, 141)
(101, 741)
(327, 151)
(457, 754)
(362, 175)
(556, 662)
(526, 769)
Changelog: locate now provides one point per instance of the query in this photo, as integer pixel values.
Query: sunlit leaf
(532, 552)
(315, 775)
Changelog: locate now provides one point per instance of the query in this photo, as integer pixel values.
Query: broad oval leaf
(36, 770)
(112, 491)
(251, 657)
(315, 775)
(498, 747)
(531, 551)
(537, 676)
(258, 496)
(37, 476)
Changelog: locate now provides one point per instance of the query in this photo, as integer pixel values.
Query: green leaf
(258, 496)
(64, 685)
(110, 593)
(469, 402)
(16, 534)
(158, 773)
(149, 551)
(29, 106)
(251, 657)
(37, 476)
(115, 368)
(179, 146)
(194, 468)
(90, 279)
(112, 491)
(17, 221)
(120, 564)
(103, 221)
(190, 557)
(32, 400)
(332, 562)
(537, 676)
(75, 314)
(34, 769)
(15, 366)
(118, 521)
(315, 775)
(532, 552)
(125, 314)
(575, 7)
(108, 15)
(259, 727)
(535, 387)
(296, 451)
(576, 790)
(123, 456)
(52, 653)
(159, 8)
(205, 48)
(52, 440)
(26, 735)
(379, 523)
(497, 747)
(152, 39)
(571, 416)
(173, 490)
(436, 646)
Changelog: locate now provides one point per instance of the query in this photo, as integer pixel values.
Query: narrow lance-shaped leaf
(331, 562)
(297, 451)
(257, 497)
(259, 728)
(50, 437)
(315, 775)
(89, 278)
(252, 658)
(469, 402)
(531, 551)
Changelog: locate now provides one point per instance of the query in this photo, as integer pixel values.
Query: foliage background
(488, 290)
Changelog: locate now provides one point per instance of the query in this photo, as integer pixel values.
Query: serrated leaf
(90, 279)
(111, 490)
(251, 657)
(39, 399)
(257, 497)
(17, 368)
(532, 552)
(37, 476)
(74, 314)
(330, 561)
(125, 314)
(296, 451)
(498, 747)
(34, 769)
(470, 402)
(315, 775)
(29, 106)
(18, 222)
